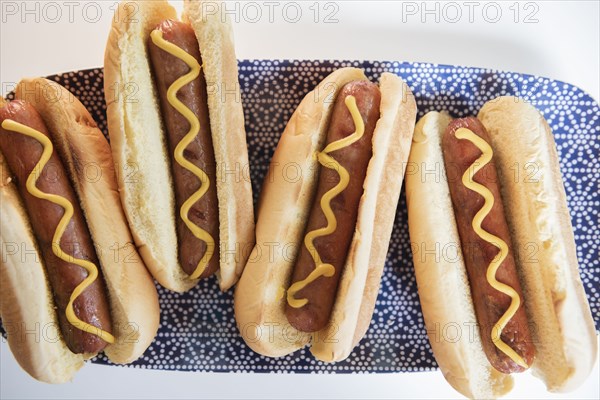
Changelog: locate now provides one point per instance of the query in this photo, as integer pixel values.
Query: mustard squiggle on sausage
(467, 180)
(91, 269)
(321, 268)
(192, 63)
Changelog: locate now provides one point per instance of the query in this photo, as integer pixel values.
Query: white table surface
(560, 40)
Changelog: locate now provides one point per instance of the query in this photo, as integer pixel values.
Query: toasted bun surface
(285, 204)
(537, 215)
(234, 190)
(441, 276)
(26, 303)
(86, 154)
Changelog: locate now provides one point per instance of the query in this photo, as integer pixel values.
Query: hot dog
(23, 154)
(180, 133)
(349, 138)
(77, 282)
(514, 311)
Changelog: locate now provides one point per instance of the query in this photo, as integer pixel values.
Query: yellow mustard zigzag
(192, 63)
(325, 269)
(91, 269)
(467, 180)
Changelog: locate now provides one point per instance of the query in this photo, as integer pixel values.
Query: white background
(556, 39)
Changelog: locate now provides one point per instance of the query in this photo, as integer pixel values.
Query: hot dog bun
(284, 208)
(26, 297)
(564, 336)
(138, 144)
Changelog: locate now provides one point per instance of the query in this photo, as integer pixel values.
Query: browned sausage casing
(22, 153)
(333, 248)
(204, 213)
(490, 304)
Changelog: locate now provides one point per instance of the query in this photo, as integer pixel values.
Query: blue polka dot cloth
(198, 331)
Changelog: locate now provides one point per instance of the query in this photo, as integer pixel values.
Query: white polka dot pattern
(198, 330)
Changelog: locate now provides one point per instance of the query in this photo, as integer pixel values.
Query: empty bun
(86, 154)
